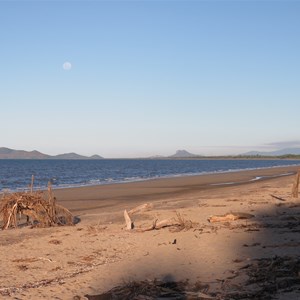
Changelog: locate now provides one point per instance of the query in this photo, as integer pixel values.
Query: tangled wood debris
(40, 206)
(151, 290)
(268, 277)
(275, 273)
(177, 223)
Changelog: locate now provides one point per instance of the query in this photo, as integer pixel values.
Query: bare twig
(278, 198)
(296, 186)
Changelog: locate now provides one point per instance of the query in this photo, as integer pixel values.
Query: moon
(67, 66)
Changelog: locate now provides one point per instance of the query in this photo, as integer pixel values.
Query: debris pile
(34, 205)
(151, 290)
(268, 277)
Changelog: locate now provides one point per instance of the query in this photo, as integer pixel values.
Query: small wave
(68, 174)
(253, 179)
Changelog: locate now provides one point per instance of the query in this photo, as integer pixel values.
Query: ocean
(16, 174)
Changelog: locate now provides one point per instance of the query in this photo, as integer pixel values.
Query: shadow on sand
(267, 265)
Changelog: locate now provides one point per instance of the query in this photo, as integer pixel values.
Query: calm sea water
(16, 174)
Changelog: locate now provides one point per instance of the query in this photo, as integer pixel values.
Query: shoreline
(134, 179)
(188, 175)
(176, 176)
(109, 197)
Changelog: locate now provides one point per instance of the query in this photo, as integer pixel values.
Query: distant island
(183, 154)
(6, 153)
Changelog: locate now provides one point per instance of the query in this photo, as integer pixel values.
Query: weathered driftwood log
(175, 224)
(296, 186)
(129, 223)
(149, 228)
(229, 217)
(166, 223)
(178, 223)
(140, 208)
(158, 225)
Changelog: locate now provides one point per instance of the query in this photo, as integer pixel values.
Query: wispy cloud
(285, 144)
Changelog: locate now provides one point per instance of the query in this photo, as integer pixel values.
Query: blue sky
(149, 77)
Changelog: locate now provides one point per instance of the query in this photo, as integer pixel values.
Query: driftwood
(167, 223)
(140, 208)
(33, 205)
(296, 186)
(129, 223)
(159, 225)
(177, 224)
(149, 228)
(229, 217)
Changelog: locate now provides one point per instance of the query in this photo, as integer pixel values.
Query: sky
(143, 78)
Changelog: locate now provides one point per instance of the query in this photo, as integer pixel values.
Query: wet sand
(113, 197)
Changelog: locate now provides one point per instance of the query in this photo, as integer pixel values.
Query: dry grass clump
(35, 205)
(183, 224)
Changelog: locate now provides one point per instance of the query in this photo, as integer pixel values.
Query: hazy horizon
(149, 155)
(137, 79)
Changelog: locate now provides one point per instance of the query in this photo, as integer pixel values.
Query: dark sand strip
(108, 198)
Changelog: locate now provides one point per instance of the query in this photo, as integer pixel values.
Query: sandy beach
(222, 258)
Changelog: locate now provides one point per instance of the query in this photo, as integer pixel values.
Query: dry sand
(98, 253)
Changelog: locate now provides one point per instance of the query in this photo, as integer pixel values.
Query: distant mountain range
(286, 151)
(186, 154)
(6, 153)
